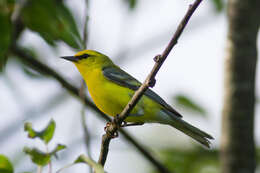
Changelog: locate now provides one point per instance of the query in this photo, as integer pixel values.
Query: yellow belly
(111, 98)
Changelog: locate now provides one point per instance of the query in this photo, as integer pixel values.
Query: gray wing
(122, 78)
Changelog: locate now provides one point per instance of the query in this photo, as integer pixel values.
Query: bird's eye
(84, 56)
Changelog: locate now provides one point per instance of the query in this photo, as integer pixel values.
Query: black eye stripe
(84, 56)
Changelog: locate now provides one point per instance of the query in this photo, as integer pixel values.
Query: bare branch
(87, 136)
(149, 82)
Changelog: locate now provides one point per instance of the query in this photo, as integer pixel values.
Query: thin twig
(49, 164)
(35, 64)
(85, 29)
(149, 82)
(87, 136)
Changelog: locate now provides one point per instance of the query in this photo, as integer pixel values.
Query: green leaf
(5, 165)
(58, 148)
(53, 21)
(189, 104)
(46, 134)
(6, 8)
(131, 3)
(219, 5)
(42, 158)
(96, 166)
(38, 157)
(195, 160)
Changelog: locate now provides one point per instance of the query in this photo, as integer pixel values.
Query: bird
(111, 88)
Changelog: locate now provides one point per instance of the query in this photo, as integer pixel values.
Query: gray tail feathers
(188, 129)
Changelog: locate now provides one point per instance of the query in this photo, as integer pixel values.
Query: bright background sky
(194, 67)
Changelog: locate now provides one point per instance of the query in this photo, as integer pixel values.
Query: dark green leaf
(189, 104)
(53, 21)
(6, 8)
(46, 134)
(193, 160)
(98, 168)
(5, 165)
(219, 5)
(131, 3)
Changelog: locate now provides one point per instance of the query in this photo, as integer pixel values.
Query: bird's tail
(188, 129)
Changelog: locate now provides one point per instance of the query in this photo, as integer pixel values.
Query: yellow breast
(109, 97)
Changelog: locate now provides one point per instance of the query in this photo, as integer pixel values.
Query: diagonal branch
(46, 70)
(149, 82)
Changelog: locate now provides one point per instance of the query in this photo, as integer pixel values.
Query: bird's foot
(114, 135)
(125, 124)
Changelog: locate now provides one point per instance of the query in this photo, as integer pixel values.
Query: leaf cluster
(42, 158)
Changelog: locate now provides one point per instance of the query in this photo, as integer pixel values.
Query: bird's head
(88, 59)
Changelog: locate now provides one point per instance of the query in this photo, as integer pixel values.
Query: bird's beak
(70, 58)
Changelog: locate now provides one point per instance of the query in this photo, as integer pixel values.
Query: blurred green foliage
(5, 165)
(53, 21)
(98, 168)
(6, 9)
(37, 156)
(131, 3)
(219, 5)
(195, 160)
(189, 104)
(46, 134)
(42, 158)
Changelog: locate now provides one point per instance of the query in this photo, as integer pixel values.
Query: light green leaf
(5, 165)
(84, 159)
(189, 104)
(59, 147)
(38, 157)
(46, 134)
(53, 21)
(42, 158)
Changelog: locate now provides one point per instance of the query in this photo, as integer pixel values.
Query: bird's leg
(115, 135)
(125, 124)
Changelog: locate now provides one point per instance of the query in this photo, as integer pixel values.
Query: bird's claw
(114, 135)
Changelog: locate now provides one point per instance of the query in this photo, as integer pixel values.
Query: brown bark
(237, 141)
